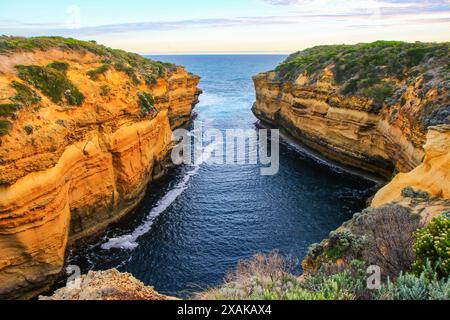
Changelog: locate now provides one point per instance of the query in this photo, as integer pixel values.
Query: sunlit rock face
(376, 121)
(69, 168)
(382, 107)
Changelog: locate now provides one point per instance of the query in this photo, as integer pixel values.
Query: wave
(209, 99)
(129, 241)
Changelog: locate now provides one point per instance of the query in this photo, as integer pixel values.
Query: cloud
(349, 13)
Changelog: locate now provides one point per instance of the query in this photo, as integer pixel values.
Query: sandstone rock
(107, 285)
(83, 167)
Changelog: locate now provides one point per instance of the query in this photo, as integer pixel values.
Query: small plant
(60, 66)
(433, 246)
(380, 92)
(342, 242)
(93, 74)
(146, 103)
(129, 71)
(5, 127)
(409, 192)
(409, 286)
(24, 94)
(8, 109)
(105, 90)
(52, 83)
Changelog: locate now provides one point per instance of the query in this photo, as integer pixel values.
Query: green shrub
(52, 83)
(5, 127)
(105, 90)
(146, 103)
(24, 94)
(409, 192)
(8, 109)
(412, 287)
(60, 66)
(380, 92)
(93, 74)
(129, 71)
(341, 242)
(129, 63)
(433, 246)
(388, 231)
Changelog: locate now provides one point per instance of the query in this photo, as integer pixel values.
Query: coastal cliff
(83, 130)
(382, 107)
(368, 106)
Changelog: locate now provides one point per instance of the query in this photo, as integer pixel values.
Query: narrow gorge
(84, 130)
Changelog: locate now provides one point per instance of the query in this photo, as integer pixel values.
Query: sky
(228, 26)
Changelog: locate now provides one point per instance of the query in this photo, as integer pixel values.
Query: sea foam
(129, 241)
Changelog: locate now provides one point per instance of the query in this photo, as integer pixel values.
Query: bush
(5, 127)
(28, 129)
(344, 243)
(52, 83)
(146, 103)
(129, 71)
(60, 66)
(412, 287)
(105, 90)
(433, 246)
(8, 109)
(389, 232)
(409, 192)
(361, 69)
(93, 74)
(24, 94)
(380, 92)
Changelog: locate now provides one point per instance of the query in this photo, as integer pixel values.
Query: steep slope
(367, 105)
(83, 130)
(382, 107)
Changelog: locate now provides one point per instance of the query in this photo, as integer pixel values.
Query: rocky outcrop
(70, 167)
(351, 125)
(107, 285)
(432, 176)
(381, 107)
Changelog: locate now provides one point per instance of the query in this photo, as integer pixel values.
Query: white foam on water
(129, 241)
(210, 99)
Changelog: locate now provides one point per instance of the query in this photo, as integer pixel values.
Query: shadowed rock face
(66, 171)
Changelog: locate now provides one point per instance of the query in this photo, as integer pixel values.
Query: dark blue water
(194, 227)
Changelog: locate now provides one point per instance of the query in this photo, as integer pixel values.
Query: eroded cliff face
(357, 104)
(381, 107)
(68, 171)
(342, 128)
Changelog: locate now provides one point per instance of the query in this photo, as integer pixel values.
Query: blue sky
(210, 26)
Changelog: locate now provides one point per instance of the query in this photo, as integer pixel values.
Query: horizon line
(177, 53)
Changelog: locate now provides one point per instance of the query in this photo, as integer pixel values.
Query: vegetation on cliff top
(130, 63)
(53, 80)
(53, 83)
(371, 69)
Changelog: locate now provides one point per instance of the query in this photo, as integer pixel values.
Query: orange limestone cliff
(83, 130)
(368, 106)
(382, 107)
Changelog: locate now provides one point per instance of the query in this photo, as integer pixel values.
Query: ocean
(198, 222)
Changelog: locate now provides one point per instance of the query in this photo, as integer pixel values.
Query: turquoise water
(195, 224)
